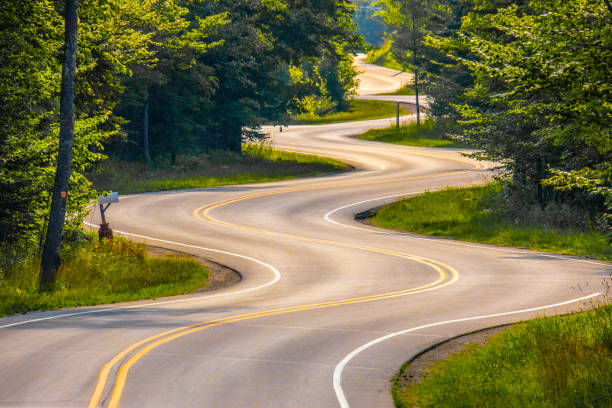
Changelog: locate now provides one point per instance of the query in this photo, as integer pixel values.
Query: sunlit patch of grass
(468, 214)
(259, 163)
(359, 109)
(563, 361)
(406, 90)
(97, 272)
(425, 135)
(382, 56)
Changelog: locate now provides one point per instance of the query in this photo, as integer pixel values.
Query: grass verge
(382, 56)
(427, 135)
(406, 90)
(472, 214)
(97, 272)
(562, 361)
(359, 109)
(219, 168)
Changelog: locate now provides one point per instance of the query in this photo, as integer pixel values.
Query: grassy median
(359, 109)
(97, 272)
(257, 164)
(426, 135)
(563, 361)
(473, 214)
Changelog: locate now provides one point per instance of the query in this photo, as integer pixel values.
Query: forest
(154, 80)
(529, 83)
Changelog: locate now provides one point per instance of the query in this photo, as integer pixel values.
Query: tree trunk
(145, 129)
(416, 70)
(51, 258)
(233, 137)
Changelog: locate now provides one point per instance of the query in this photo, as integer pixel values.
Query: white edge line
(277, 277)
(445, 241)
(337, 378)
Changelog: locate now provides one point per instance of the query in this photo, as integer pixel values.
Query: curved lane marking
(276, 278)
(327, 217)
(337, 378)
(157, 340)
(205, 210)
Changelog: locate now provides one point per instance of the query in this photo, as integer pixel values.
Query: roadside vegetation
(257, 164)
(485, 214)
(359, 109)
(183, 79)
(383, 56)
(406, 90)
(97, 272)
(561, 362)
(426, 135)
(500, 78)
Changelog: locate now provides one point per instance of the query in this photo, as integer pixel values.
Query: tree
(544, 89)
(29, 45)
(410, 20)
(206, 100)
(51, 258)
(111, 39)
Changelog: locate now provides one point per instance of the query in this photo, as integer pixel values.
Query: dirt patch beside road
(220, 276)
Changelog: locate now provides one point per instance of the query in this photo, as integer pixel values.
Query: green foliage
(406, 90)
(257, 164)
(383, 56)
(541, 98)
(201, 101)
(205, 70)
(479, 214)
(426, 135)
(97, 272)
(359, 109)
(31, 46)
(562, 361)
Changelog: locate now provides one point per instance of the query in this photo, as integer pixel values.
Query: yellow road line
(205, 210)
(182, 331)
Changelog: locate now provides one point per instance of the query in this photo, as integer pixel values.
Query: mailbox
(108, 198)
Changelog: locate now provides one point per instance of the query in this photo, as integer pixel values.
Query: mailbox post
(104, 201)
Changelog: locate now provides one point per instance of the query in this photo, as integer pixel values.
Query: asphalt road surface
(328, 308)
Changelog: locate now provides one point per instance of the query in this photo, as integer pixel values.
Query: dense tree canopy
(527, 81)
(542, 74)
(154, 79)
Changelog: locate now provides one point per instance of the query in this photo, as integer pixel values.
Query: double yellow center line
(446, 276)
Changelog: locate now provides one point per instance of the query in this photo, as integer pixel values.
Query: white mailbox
(108, 198)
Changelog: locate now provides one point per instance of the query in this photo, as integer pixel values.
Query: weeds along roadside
(359, 109)
(482, 214)
(120, 270)
(560, 361)
(428, 134)
(97, 272)
(258, 163)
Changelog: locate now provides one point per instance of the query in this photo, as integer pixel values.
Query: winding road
(328, 308)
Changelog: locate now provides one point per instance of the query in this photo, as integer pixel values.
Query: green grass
(559, 362)
(257, 164)
(471, 214)
(382, 56)
(359, 109)
(406, 90)
(97, 272)
(427, 135)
